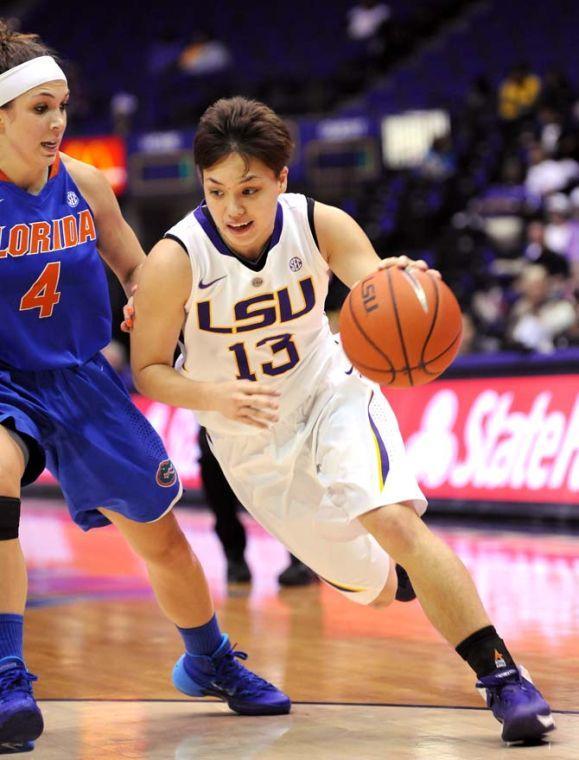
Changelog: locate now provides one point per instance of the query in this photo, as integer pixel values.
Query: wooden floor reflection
(183, 731)
(384, 684)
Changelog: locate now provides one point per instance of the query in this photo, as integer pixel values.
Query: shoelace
(236, 679)
(506, 691)
(15, 682)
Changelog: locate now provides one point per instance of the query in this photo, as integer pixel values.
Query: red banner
(501, 439)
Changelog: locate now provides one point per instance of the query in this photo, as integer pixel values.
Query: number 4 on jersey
(43, 294)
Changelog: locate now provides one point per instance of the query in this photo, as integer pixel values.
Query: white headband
(27, 75)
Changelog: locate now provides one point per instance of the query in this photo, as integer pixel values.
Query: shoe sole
(528, 728)
(24, 727)
(186, 685)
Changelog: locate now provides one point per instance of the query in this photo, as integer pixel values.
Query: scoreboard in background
(328, 153)
(338, 151)
(407, 137)
(161, 163)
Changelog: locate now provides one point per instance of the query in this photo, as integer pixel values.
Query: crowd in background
(494, 204)
(524, 227)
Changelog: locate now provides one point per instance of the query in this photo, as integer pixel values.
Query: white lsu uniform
(336, 452)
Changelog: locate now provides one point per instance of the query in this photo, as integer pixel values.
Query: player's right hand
(247, 402)
(129, 312)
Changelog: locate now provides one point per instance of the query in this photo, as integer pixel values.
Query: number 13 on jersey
(278, 343)
(43, 293)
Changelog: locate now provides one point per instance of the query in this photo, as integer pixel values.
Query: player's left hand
(129, 312)
(403, 262)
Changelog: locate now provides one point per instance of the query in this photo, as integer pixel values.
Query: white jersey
(261, 320)
(336, 452)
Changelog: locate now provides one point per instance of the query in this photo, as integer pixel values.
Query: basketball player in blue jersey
(63, 406)
(310, 447)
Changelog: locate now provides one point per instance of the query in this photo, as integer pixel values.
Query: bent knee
(396, 527)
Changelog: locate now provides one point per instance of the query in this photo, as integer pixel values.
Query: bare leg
(176, 575)
(441, 581)
(13, 578)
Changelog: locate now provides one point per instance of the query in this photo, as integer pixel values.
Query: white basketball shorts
(309, 478)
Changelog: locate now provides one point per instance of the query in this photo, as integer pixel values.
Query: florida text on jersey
(54, 303)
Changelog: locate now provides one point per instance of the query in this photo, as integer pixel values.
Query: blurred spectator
(549, 128)
(367, 19)
(440, 162)
(558, 227)
(539, 317)
(537, 252)
(573, 251)
(123, 108)
(479, 100)
(203, 55)
(518, 93)
(556, 92)
(369, 26)
(473, 340)
(548, 175)
(570, 337)
(488, 310)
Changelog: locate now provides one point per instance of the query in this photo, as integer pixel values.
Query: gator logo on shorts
(166, 474)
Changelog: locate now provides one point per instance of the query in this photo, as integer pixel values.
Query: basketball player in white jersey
(311, 448)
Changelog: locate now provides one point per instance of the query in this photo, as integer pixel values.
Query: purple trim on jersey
(384, 462)
(210, 228)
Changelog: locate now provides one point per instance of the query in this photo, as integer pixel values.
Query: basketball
(401, 327)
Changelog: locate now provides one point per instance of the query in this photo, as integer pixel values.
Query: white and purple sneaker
(517, 704)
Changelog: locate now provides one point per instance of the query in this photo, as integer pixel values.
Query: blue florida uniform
(56, 390)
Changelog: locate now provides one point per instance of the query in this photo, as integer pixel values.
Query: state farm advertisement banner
(497, 439)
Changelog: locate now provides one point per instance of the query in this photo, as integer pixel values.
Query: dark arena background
(449, 130)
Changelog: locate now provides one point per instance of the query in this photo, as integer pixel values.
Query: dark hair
(246, 127)
(17, 48)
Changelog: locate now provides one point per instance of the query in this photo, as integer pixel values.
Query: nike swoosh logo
(546, 720)
(204, 285)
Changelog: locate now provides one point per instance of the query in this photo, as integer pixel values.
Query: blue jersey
(54, 299)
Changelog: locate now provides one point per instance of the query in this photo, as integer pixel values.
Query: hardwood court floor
(365, 683)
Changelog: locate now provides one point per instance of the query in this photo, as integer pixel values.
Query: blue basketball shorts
(81, 422)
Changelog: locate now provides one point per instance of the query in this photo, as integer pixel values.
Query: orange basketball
(401, 327)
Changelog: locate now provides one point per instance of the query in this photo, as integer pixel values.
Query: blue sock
(11, 635)
(202, 640)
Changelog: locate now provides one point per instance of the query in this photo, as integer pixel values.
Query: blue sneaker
(220, 675)
(20, 719)
(517, 704)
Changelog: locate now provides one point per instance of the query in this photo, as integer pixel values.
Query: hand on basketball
(247, 402)
(403, 262)
(129, 312)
